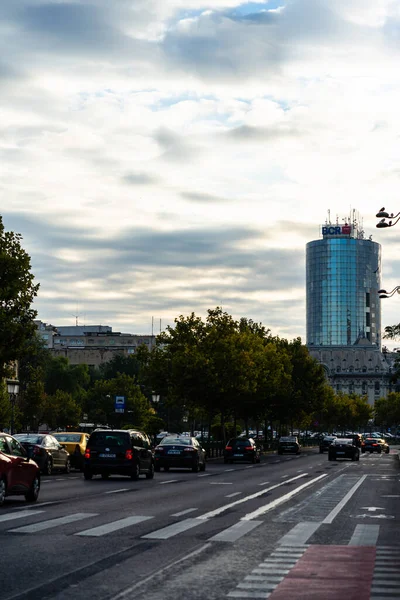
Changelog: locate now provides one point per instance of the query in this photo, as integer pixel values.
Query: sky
(163, 157)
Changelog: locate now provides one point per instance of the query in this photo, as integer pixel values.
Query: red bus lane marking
(329, 572)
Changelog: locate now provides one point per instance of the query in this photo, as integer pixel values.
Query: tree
(17, 292)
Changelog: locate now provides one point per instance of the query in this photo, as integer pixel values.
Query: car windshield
(183, 441)
(346, 441)
(67, 437)
(106, 437)
(25, 437)
(287, 439)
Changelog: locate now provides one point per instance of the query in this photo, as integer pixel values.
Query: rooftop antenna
(328, 222)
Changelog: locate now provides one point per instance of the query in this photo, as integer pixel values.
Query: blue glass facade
(342, 283)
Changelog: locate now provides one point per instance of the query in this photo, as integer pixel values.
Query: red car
(19, 475)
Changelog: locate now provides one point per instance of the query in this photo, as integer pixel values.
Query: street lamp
(155, 398)
(382, 214)
(385, 294)
(12, 389)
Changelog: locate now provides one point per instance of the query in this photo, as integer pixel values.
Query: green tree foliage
(32, 368)
(5, 407)
(120, 364)
(60, 410)
(387, 411)
(60, 375)
(17, 292)
(345, 412)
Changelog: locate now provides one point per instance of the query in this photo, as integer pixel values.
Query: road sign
(119, 404)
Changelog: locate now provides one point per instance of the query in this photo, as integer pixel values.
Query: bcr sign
(336, 229)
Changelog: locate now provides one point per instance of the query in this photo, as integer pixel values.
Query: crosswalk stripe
(171, 530)
(113, 526)
(365, 535)
(53, 523)
(184, 512)
(231, 534)
(19, 515)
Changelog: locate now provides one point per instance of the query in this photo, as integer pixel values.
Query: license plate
(107, 455)
(238, 455)
(174, 451)
(340, 453)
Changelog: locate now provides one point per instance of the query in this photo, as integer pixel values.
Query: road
(297, 527)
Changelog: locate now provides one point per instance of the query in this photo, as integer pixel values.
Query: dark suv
(241, 449)
(288, 444)
(118, 452)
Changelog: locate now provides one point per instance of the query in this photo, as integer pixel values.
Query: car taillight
(87, 453)
(248, 447)
(190, 449)
(129, 455)
(228, 447)
(374, 444)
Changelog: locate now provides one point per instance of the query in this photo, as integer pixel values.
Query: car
(75, 444)
(325, 442)
(118, 452)
(288, 444)
(343, 448)
(19, 474)
(374, 444)
(177, 451)
(242, 449)
(46, 451)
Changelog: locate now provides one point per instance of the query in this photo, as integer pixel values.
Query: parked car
(325, 443)
(343, 448)
(118, 452)
(46, 451)
(75, 444)
(19, 475)
(242, 449)
(373, 444)
(288, 444)
(179, 451)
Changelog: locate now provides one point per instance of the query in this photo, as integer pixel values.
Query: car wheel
(34, 490)
(150, 474)
(226, 461)
(258, 459)
(3, 490)
(253, 460)
(48, 467)
(68, 466)
(157, 468)
(136, 472)
(380, 451)
(321, 451)
(195, 468)
(387, 450)
(362, 451)
(87, 473)
(105, 475)
(203, 466)
(358, 456)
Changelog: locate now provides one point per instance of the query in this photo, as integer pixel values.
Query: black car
(343, 448)
(288, 444)
(176, 451)
(118, 452)
(242, 449)
(325, 442)
(46, 451)
(373, 444)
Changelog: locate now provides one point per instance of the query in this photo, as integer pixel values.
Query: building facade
(344, 313)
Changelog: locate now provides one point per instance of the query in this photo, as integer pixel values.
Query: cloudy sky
(167, 156)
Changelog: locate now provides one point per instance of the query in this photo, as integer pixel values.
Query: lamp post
(385, 294)
(155, 398)
(12, 389)
(383, 215)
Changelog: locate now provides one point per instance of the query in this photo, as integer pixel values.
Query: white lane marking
(264, 483)
(284, 476)
(250, 467)
(113, 526)
(222, 509)
(221, 483)
(299, 534)
(53, 523)
(174, 529)
(183, 512)
(47, 481)
(263, 509)
(128, 592)
(391, 496)
(62, 479)
(231, 534)
(233, 494)
(117, 491)
(169, 481)
(205, 475)
(365, 535)
(20, 515)
(344, 501)
(228, 470)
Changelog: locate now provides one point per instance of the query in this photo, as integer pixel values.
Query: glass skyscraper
(342, 283)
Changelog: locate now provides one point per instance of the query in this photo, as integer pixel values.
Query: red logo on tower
(346, 228)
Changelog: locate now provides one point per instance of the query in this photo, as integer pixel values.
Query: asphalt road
(297, 527)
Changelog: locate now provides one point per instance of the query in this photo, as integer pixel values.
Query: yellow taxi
(75, 444)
